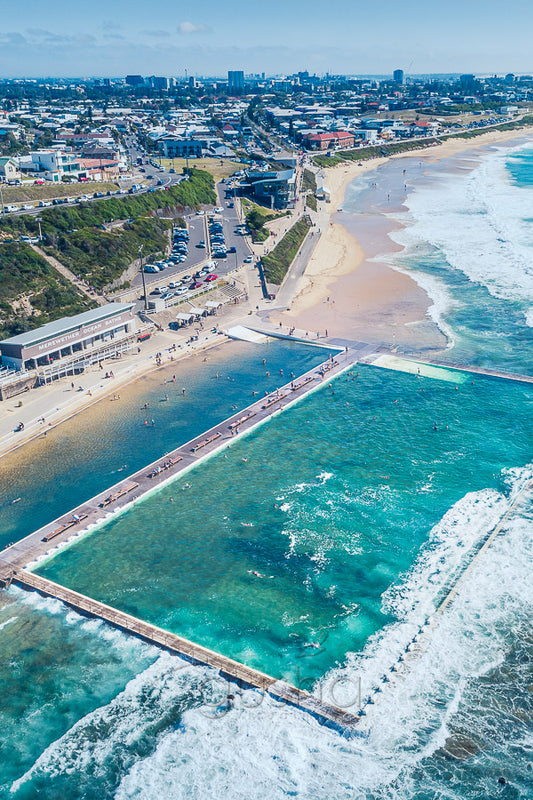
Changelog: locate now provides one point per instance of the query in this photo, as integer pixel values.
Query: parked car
(211, 278)
(248, 259)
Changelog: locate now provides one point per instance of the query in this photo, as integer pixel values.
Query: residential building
(332, 140)
(9, 170)
(180, 147)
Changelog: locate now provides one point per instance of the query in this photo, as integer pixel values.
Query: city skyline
(207, 40)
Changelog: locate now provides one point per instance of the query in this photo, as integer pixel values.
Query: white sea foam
(115, 729)
(273, 752)
(266, 750)
(7, 622)
(479, 222)
(277, 751)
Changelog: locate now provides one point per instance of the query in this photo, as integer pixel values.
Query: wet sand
(348, 288)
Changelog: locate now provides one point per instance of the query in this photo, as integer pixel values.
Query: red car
(211, 278)
(195, 285)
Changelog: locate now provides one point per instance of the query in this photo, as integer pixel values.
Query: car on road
(232, 249)
(200, 213)
(248, 259)
(201, 244)
(172, 171)
(218, 210)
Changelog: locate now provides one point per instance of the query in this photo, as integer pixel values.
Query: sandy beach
(346, 289)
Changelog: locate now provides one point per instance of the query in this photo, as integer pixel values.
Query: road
(168, 178)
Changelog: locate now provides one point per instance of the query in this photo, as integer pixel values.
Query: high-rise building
(398, 77)
(468, 82)
(158, 82)
(236, 81)
(134, 80)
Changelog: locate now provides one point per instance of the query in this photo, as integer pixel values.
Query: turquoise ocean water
(354, 513)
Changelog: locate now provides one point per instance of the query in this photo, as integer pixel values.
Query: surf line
(419, 643)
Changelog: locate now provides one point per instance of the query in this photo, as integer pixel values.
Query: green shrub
(276, 264)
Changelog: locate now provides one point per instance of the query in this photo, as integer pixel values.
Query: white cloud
(191, 27)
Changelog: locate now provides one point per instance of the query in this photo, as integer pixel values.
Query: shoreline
(345, 291)
(358, 295)
(96, 393)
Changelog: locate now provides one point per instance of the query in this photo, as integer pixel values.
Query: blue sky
(208, 37)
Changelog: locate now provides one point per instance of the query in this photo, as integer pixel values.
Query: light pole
(2, 202)
(142, 276)
(39, 220)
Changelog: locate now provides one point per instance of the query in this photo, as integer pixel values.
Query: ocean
(313, 548)
(468, 240)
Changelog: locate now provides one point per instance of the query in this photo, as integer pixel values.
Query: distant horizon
(125, 37)
(268, 76)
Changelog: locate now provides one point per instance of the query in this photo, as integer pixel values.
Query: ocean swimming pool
(278, 551)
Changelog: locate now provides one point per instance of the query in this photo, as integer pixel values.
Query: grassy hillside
(277, 263)
(256, 216)
(75, 236)
(32, 292)
(101, 256)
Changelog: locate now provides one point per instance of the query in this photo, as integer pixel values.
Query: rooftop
(67, 324)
